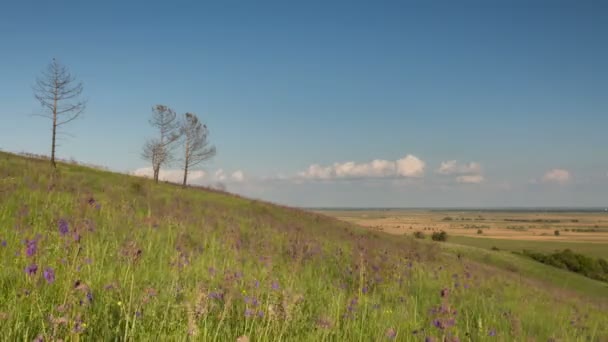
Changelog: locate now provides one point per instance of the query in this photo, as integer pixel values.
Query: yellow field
(534, 226)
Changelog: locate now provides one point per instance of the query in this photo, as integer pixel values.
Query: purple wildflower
(31, 247)
(90, 297)
(249, 313)
(391, 333)
(3, 243)
(492, 332)
(64, 227)
(275, 285)
(31, 269)
(49, 275)
(216, 295)
(78, 328)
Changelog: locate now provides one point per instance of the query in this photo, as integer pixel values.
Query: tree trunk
(185, 175)
(54, 128)
(53, 145)
(156, 172)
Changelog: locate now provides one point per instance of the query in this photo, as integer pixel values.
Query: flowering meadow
(93, 255)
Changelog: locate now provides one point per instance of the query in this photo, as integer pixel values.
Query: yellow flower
(119, 303)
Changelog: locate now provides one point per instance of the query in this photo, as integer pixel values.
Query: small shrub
(556, 233)
(447, 218)
(440, 236)
(479, 231)
(419, 235)
(494, 248)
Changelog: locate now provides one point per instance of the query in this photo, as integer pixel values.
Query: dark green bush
(574, 262)
(419, 235)
(439, 236)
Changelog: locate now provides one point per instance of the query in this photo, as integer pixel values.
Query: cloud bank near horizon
(408, 166)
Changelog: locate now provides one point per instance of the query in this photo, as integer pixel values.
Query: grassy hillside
(92, 255)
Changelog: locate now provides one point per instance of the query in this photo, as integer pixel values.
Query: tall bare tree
(58, 92)
(196, 147)
(159, 150)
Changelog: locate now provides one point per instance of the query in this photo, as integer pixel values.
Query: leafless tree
(159, 150)
(58, 92)
(196, 147)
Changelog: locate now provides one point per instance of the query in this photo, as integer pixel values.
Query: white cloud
(316, 171)
(170, 175)
(470, 173)
(470, 179)
(238, 176)
(409, 166)
(451, 167)
(194, 176)
(559, 176)
(220, 175)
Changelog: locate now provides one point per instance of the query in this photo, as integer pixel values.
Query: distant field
(590, 249)
(583, 232)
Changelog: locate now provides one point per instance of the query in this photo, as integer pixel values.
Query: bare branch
(159, 151)
(57, 91)
(196, 147)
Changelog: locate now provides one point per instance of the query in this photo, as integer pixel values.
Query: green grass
(598, 250)
(522, 266)
(160, 263)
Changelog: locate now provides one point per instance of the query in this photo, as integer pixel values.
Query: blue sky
(515, 92)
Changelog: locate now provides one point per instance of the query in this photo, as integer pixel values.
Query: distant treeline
(537, 220)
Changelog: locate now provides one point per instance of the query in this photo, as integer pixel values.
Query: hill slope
(102, 256)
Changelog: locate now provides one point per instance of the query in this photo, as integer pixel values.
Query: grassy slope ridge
(140, 261)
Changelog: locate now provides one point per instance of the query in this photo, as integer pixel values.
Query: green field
(92, 255)
(599, 250)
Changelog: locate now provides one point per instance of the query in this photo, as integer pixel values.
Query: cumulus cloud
(238, 176)
(409, 166)
(170, 175)
(559, 176)
(194, 176)
(470, 179)
(452, 167)
(466, 173)
(220, 175)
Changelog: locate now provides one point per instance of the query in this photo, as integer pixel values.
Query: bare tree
(58, 93)
(159, 150)
(196, 146)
